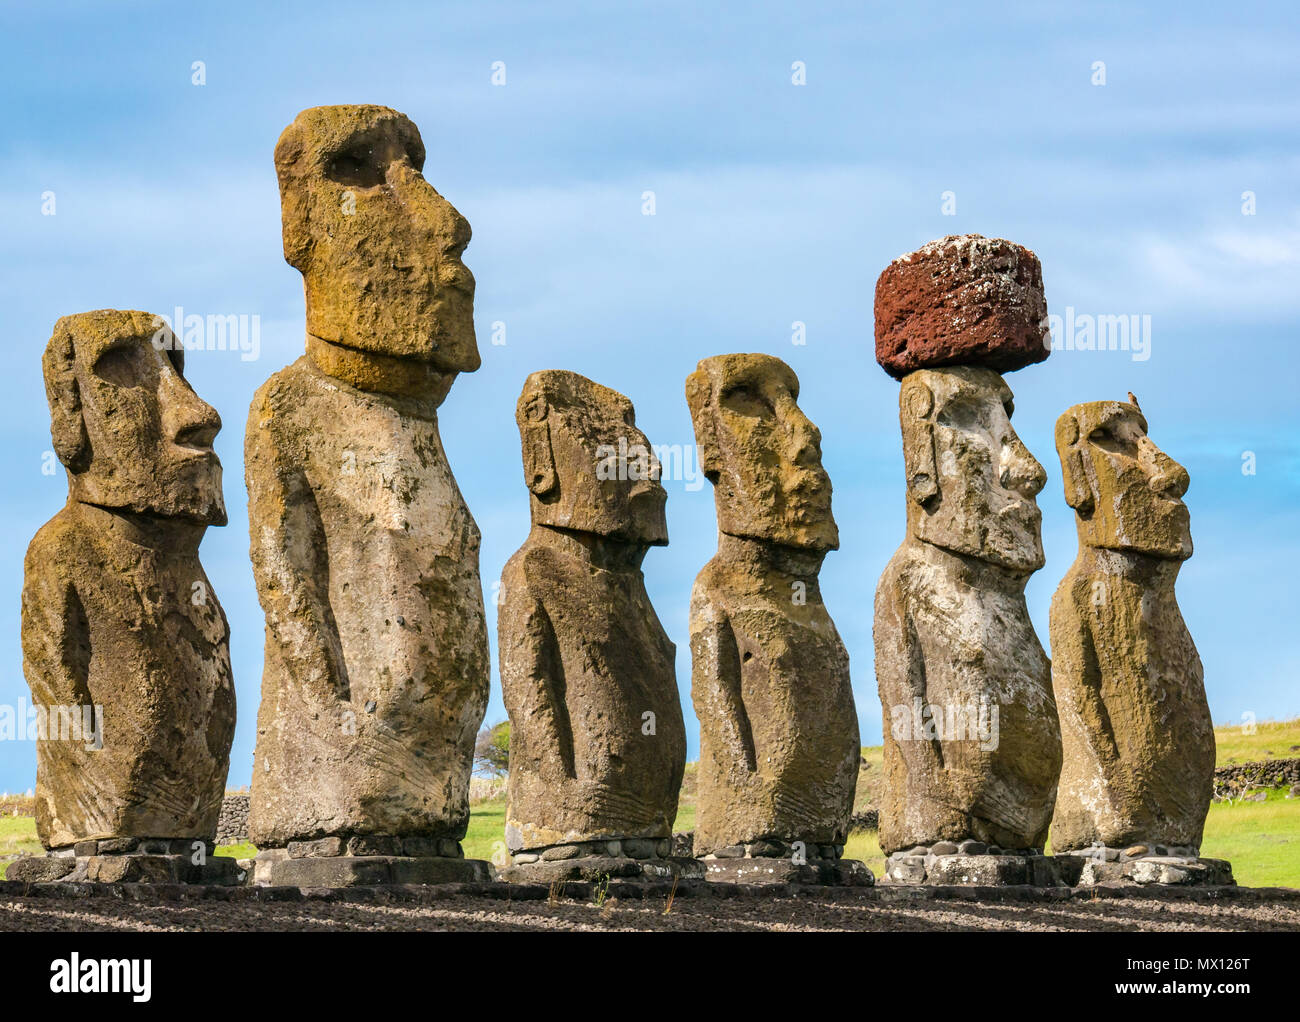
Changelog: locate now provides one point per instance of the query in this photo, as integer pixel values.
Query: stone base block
(598, 868)
(764, 870)
(973, 870)
(1182, 870)
(131, 868)
(275, 867)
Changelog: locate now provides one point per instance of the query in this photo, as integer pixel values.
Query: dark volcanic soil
(532, 909)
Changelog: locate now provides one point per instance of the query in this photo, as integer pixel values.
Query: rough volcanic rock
(972, 745)
(125, 646)
(597, 740)
(962, 300)
(364, 553)
(1139, 741)
(779, 743)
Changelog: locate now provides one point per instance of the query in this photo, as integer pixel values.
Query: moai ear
(535, 434)
(67, 425)
(1078, 489)
(916, 404)
(699, 394)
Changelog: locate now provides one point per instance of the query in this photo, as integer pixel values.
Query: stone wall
(232, 826)
(1232, 781)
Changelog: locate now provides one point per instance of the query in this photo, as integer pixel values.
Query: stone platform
(367, 860)
(598, 861)
(972, 864)
(752, 869)
(130, 860)
(599, 868)
(1093, 867)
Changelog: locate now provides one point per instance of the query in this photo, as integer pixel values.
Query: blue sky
(774, 203)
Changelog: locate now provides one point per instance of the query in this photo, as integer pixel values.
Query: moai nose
(1168, 477)
(1020, 471)
(187, 419)
(805, 438)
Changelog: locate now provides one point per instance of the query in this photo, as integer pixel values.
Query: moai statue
(125, 646)
(779, 747)
(364, 553)
(597, 742)
(1138, 771)
(972, 741)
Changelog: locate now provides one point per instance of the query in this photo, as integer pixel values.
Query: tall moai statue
(364, 553)
(779, 747)
(597, 741)
(1138, 771)
(125, 646)
(972, 741)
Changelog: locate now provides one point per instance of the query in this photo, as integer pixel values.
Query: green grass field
(1260, 839)
(1270, 739)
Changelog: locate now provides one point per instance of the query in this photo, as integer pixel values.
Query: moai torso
(1135, 723)
(117, 617)
(375, 685)
(583, 660)
(1136, 727)
(955, 634)
(779, 746)
(125, 646)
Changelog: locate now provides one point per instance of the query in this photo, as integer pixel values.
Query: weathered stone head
(971, 482)
(379, 249)
(130, 430)
(1125, 491)
(588, 468)
(761, 452)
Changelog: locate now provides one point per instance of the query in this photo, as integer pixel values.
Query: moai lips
(125, 646)
(597, 741)
(961, 300)
(779, 745)
(1139, 742)
(365, 555)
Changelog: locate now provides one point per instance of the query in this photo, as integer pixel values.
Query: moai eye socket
(744, 400)
(1109, 440)
(122, 366)
(959, 414)
(355, 168)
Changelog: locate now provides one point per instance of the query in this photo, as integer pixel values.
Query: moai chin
(365, 555)
(972, 741)
(1138, 771)
(597, 741)
(125, 646)
(779, 747)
